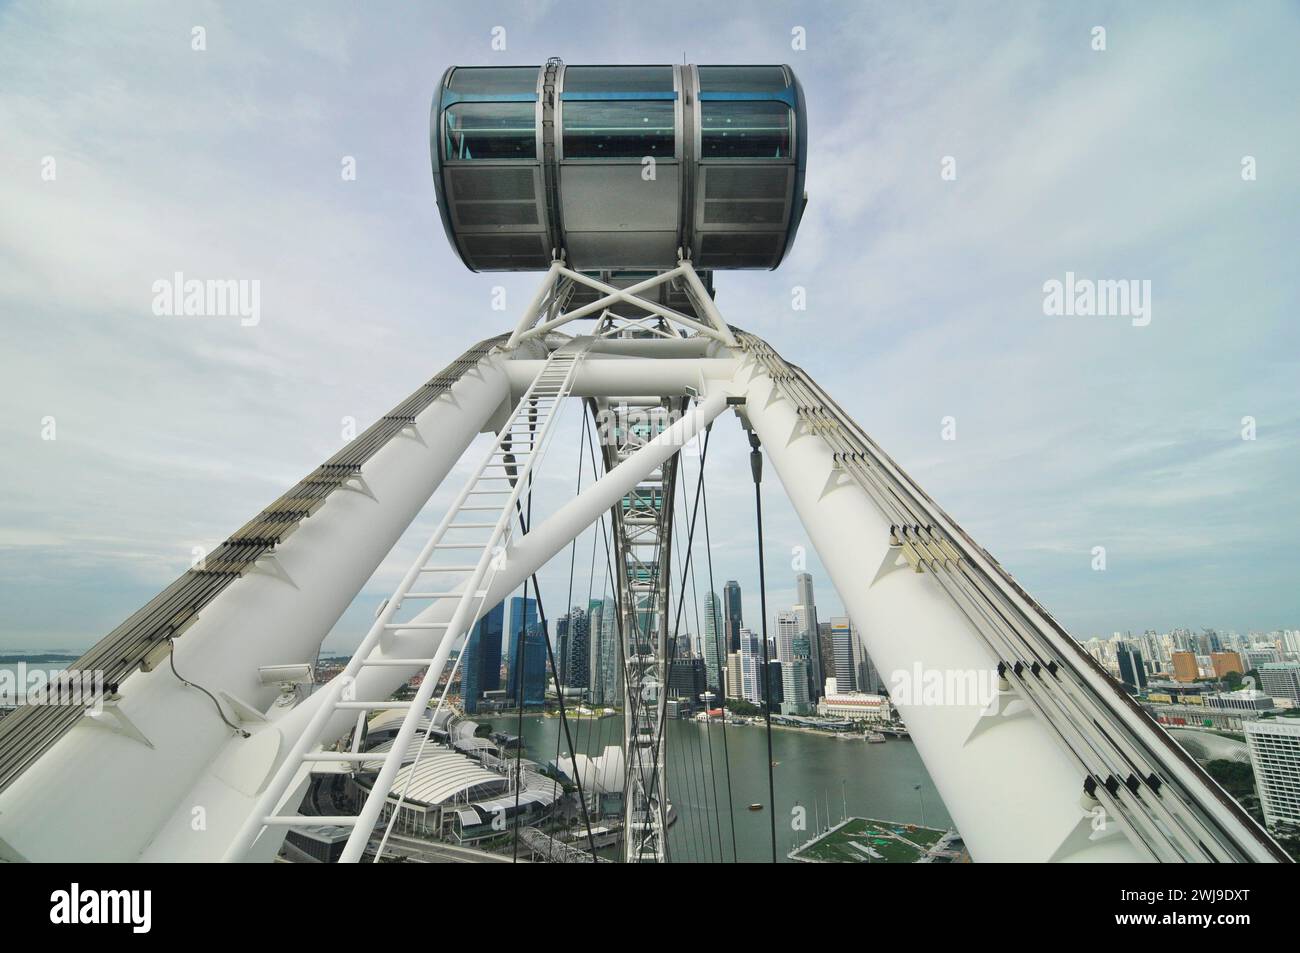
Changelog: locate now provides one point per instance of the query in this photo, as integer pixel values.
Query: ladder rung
(487, 492)
(448, 568)
(310, 820)
(416, 625)
(495, 509)
(471, 525)
(398, 662)
(372, 706)
(442, 595)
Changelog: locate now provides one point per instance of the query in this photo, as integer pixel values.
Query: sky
(127, 155)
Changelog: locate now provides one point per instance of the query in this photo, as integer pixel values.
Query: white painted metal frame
(539, 318)
(643, 530)
(552, 384)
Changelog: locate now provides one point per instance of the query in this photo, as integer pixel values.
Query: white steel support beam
(1057, 745)
(50, 813)
(523, 557)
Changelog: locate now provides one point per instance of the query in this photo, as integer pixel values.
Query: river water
(822, 774)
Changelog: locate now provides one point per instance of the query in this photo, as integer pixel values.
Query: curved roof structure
(442, 776)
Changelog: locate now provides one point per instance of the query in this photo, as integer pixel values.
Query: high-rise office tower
(787, 630)
(578, 666)
(734, 687)
(523, 619)
(805, 608)
(611, 667)
(775, 690)
(562, 648)
(480, 666)
(716, 648)
(731, 614)
(1131, 671)
(751, 667)
(847, 667)
(532, 667)
(794, 686)
(686, 679)
(520, 609)
(605, 673)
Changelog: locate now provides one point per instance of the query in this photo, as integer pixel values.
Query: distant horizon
(6, 650)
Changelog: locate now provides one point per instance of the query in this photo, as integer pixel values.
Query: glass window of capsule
(619, 112)
(505, 127)
(735, 126)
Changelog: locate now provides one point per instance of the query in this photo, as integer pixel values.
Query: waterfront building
(794, 686)
(852, 705)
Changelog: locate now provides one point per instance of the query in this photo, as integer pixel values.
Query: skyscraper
(787, 630)
(734, 687)
(805, 608)
(480, 665)
(775, 690)
(751, 666)
(611, 654)
(847, 667)
(605, 671)
(715, 648)
(532, 666)
(520, 608)
(1131, 671)
(577, 667)
(794, 686)
(686, 679)
(731, 614)
(562, 648)
(523, 615)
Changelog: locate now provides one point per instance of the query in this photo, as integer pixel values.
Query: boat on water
(755, 807)
(874, 738)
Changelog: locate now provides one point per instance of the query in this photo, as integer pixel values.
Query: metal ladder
(494, 488)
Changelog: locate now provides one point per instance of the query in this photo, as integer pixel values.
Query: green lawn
(884, 842)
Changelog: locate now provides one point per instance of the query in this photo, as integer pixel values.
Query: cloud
(925, 295)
